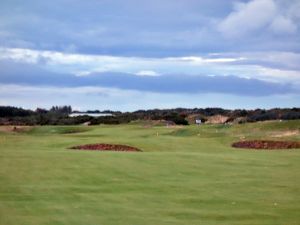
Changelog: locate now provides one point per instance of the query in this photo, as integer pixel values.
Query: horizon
(74, 110)
(128, 56)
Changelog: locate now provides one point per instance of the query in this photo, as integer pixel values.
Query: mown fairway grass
(185, 176)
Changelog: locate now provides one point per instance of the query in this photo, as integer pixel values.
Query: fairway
(185, 175)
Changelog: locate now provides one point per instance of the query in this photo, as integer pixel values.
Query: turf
(185, 175)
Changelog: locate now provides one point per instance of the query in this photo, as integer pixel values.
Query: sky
(131, 54)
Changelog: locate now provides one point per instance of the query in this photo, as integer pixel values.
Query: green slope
(186, 175)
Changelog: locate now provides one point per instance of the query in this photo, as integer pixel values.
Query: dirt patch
(263, 144)
(217, 119)
(106, 147)
(285, 133)
(72, 130)
(16, 129)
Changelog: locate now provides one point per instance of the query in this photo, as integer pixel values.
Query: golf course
(182, 175)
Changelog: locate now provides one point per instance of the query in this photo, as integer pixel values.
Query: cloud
(91, 97)
(240, 64)
(195, 46)
(279, 60)
(153, 29)
(83, 64)
(147, 73)
(202, 61)
(284, 25)
(257, 16)
(248, 17)
(28, 74)
(269, 74)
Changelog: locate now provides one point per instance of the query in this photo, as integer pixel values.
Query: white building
(90, 114)
(198, 122)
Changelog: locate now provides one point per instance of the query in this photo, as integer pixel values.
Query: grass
(187, 175)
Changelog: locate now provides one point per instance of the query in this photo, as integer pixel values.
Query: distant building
(90, 114)
(198, 121)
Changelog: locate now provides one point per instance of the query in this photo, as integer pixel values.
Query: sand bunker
(107, 147)
(268, 145)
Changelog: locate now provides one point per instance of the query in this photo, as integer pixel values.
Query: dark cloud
(135, 28)
(26, 74)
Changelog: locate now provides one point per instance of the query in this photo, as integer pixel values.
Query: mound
(107, 147)
(263, 144)
(217, 119)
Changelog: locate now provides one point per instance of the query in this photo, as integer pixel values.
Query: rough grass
(186, 175)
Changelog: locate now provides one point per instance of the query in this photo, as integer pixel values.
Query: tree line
(59, 115)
